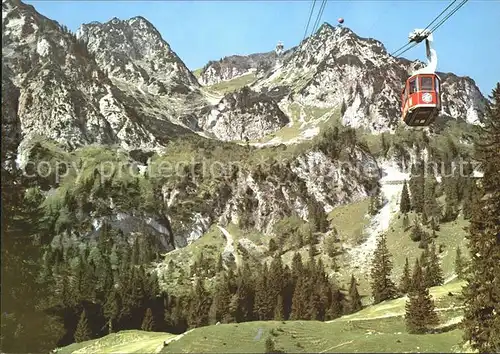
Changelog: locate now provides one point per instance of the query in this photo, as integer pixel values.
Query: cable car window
(413, 86)
(426, 84)
(437, 84)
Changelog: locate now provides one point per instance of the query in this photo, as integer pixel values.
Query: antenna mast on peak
(279, 49)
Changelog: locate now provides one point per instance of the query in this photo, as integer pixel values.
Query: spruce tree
(406, 222)
(354, 298)
(148, 321)
(279, 314)
(299, 299)
(482, 293)
(434, 273)
(376, 202)
(416, 230)
(417, 268)
(431, 207)
(383, 287)
(276, 279)
(419, 309)
(199, 305)
(336, 310)
(405, 282)
(264, 304)
(416, 184)
(222, 298)
(112, 309)
(83, 331)
(405, 203)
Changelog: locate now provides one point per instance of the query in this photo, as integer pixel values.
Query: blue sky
(467, 44)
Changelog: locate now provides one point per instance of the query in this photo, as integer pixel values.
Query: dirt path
(391, 186)
(230, 245)
(160, 347)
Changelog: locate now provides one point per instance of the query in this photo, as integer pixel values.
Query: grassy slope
(364, 331)
(350, 220)
(131, 341)
(312, 336)
(303, 118)
(197, 72)
(232, 85)
(378, 328)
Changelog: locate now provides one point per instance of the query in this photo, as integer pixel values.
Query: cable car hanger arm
(418, 35)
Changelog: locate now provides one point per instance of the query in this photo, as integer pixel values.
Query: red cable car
(421, 99)
(421, 96)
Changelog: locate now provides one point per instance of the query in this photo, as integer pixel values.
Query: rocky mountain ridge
(336, 67)
(233, 66)
(119, 82)
(135, 52)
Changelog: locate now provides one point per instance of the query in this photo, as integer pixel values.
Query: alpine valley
(236, 208)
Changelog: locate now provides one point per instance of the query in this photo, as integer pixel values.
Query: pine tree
(148, 322)
(199, 305)
(416, 184)
(451, 186)
(482, 293)
(416, 231)
(419, 309)
(406, 222)
(317, 216)
(264, 304)
(434, 273)
(375, 202)
(222, 298)
(279, 314)
(299, 299)
(336, 309)
(112, 309)
(354, 298)
(405, 203)
(431, 207)
(276, 279)
(405, 282)
(383, 287)
(83, 331)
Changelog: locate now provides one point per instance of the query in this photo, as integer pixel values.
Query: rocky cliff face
(233, 66)
(64, 95)
(335, 68)
(120, 83)
(134, 51)
(243, 114)
(11, 132)
(461, 98)
(286, 189)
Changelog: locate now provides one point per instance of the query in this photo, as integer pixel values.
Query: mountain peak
(134, 51)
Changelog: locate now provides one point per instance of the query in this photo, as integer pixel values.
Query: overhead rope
(442, 12)
(309, 20)
(410, 45)
(448, 16)
(318, 18)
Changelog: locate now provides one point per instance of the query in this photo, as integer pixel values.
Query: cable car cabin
(421, 99)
